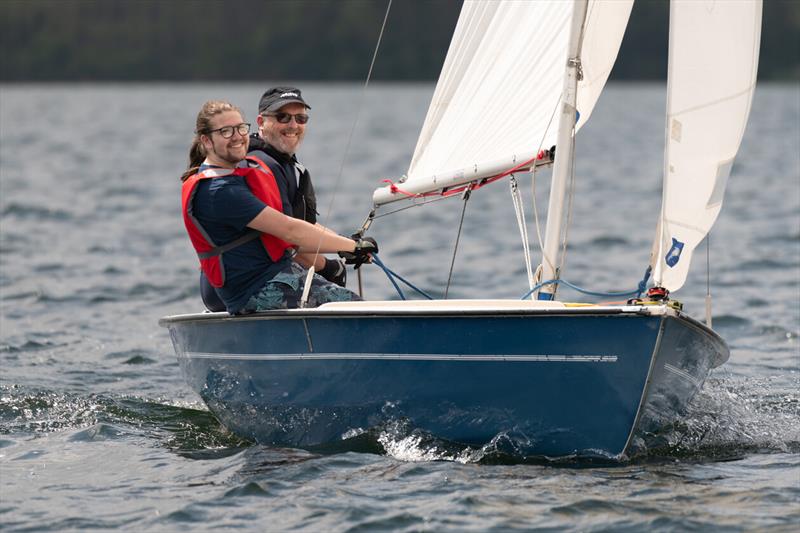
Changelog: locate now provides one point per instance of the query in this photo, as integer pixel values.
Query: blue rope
(638, 292)
(392, 275)
(643, 284)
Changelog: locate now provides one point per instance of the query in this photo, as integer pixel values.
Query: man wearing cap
(282, 120)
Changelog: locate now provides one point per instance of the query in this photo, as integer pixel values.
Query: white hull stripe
(406, 357)
(684, 374)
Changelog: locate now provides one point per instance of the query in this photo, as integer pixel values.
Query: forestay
(713, 59)
(496, 98)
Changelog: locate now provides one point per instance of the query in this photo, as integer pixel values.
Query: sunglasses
(285, 118)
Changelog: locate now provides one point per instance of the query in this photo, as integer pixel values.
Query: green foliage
(43, 40)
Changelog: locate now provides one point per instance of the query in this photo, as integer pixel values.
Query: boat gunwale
(696, 324)
(285, 314)
(406, 308)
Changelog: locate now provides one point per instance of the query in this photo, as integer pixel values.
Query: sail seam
(684, 225)
(712, 103)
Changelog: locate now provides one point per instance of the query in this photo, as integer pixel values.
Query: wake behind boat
(560, 378)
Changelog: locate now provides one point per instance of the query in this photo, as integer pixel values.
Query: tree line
(132, 40)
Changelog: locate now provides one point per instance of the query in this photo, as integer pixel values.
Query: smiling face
(284, 137)
(221, 151)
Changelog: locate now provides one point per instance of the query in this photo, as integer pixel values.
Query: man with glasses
(282, 119)
(233, 215)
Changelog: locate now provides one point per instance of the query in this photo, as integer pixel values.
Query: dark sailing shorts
(285, 290)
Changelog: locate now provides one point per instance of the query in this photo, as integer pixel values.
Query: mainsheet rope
(392, 276)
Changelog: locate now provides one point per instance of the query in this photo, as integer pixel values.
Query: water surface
(98, 430)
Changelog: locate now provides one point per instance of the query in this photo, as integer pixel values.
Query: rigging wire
(416, 204)
(346, 151)
(708, 279)
(519, 211)
(533, 277)
(467, 194)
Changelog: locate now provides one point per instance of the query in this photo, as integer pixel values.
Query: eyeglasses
(285, 118)
(227, 131)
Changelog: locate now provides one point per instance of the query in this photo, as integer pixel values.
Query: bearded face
(285, 137)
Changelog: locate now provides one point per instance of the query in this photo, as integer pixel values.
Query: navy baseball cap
(277, 97)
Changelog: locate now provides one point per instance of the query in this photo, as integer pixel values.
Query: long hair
(197, 152)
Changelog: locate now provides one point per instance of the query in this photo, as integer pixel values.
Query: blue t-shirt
(224, 206)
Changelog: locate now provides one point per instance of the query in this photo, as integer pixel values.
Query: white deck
(414, 307)
(477, 305)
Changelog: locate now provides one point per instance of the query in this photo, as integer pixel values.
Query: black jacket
(293, 179)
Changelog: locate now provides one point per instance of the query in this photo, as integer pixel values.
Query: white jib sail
(495, 104)
(713, 59)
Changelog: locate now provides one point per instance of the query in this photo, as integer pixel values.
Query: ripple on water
(36, 212)
(731, 320)
(609, 241)
(186, 430)
(730, 324)
(767, 264)
(790, 238)
(29, 345)
(114, 271)
(21, 295)
(250, 488)
(99, 432)
(774, 331)
(99, 294)
(133, 357)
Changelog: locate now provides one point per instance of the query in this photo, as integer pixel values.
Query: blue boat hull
(560, 382)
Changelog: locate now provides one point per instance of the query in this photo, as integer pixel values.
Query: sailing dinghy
(557, 378)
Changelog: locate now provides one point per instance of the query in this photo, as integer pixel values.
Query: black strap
(219, 250)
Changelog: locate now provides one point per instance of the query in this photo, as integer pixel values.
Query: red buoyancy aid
(262, 184)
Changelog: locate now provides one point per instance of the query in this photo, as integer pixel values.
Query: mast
(562, 169)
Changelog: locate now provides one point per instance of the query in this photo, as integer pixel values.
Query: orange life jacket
(262, 184)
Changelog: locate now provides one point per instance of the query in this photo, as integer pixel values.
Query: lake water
(99, 431)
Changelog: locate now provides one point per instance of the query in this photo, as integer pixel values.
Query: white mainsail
(495, 104)
(713, 59)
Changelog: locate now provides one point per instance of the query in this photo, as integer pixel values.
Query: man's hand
(362, 254)
(334, 271)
